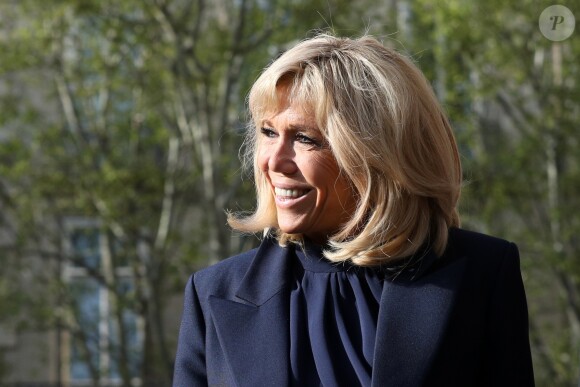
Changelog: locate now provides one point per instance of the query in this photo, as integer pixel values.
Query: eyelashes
(268, 132)
(299, 137)
(306, 140)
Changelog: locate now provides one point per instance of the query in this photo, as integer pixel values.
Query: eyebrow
(294, 127)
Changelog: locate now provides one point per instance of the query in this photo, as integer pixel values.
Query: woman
(362, 278)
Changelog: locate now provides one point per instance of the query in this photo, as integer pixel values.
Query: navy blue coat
(457, 320)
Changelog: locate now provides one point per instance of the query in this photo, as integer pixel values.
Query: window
(100, 289)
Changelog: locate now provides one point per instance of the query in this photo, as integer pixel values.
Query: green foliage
(128, 113)
(505, 87)
(93, 93)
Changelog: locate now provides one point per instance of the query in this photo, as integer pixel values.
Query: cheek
(335, 184)
(323, 171)
(262, 160)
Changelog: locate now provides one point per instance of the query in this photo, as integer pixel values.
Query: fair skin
(312, 197)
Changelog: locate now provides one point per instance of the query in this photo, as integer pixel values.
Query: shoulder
(465, 242)
(483, 253)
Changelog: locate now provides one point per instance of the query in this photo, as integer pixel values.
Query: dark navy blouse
(334, 310)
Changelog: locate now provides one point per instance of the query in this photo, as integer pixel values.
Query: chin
(290, 229)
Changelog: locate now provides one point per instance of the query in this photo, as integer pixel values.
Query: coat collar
(252, 329)
(268, 273)
(254, 333)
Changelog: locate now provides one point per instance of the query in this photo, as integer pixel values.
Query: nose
(281, 157)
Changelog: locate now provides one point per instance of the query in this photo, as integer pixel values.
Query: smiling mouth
(289, 193)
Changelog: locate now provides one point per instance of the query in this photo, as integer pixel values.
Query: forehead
(273, 93)
(289, 109)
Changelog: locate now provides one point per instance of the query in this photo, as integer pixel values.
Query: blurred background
(120, 124)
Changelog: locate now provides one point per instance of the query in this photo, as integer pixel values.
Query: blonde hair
(389, 136)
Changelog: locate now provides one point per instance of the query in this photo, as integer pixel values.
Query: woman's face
(312, 197)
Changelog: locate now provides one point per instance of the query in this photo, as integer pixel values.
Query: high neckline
(312, 258)
(334, 311)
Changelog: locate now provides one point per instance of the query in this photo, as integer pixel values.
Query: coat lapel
(412, 319)
(251, 328)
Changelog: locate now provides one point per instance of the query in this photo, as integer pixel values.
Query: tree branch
(168, 195)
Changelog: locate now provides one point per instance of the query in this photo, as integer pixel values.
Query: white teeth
(293, 193)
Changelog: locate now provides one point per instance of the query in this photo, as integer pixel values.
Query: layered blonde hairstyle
(389, 135)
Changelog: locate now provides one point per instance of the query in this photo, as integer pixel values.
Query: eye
(301, 138)
(268, 132)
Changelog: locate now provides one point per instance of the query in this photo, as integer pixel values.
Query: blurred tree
(119, 129)
(513, 96)
(121, 123)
